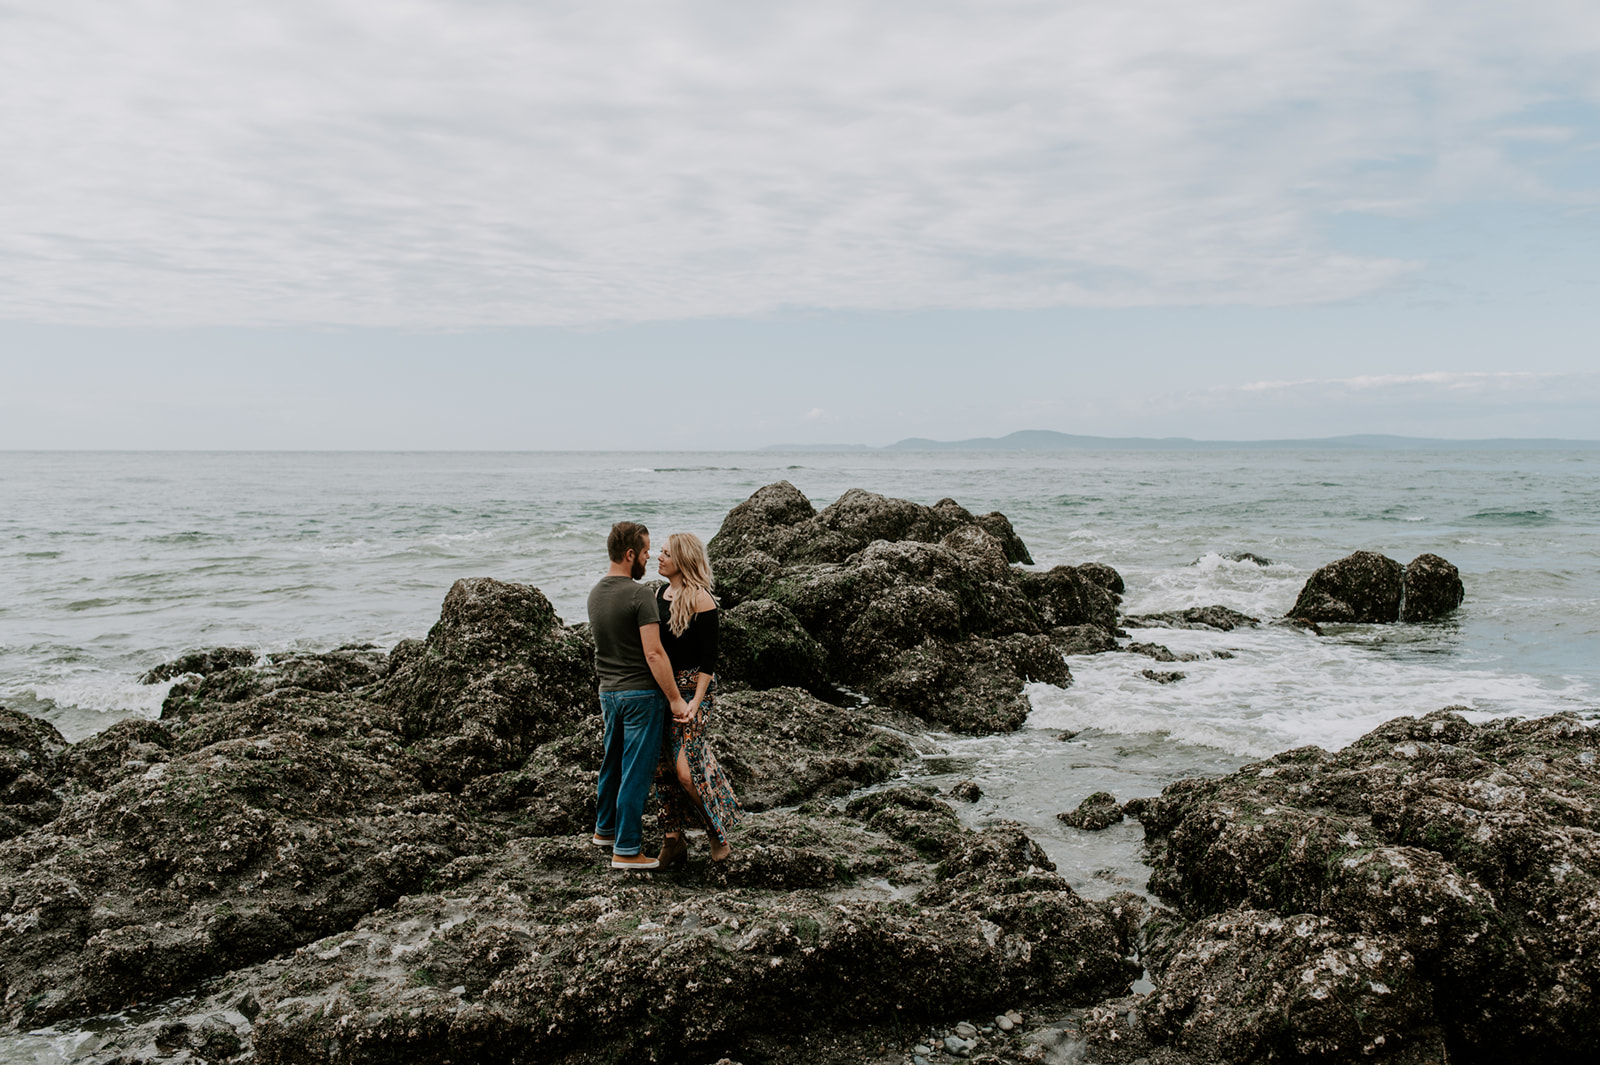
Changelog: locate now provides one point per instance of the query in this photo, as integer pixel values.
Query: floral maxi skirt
(717, 810)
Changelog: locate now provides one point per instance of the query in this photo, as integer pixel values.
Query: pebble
(922, 1050)
(1004, 1023)
(918, 1059)
(954, 1044)
(1016, 1018)
(965, 1030)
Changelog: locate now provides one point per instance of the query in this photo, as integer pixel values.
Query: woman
(688, 780)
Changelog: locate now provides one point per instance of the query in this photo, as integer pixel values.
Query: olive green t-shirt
(618, 608)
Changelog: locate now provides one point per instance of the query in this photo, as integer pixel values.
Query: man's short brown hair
(626, 536)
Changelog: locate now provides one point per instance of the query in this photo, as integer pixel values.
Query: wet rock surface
(1434, 883)
(1367, 587)
(539, 952)
(201, 663)
(1219, 618)
(1099, 811)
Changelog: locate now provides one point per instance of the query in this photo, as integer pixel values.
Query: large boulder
(1431, 587)
(1363, 587)
(919, 608)
(498, 675)
(780, 521)
(1465, 858)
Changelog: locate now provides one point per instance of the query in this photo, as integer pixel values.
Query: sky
(475, 224)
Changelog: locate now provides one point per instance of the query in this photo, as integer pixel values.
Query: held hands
(682, 712)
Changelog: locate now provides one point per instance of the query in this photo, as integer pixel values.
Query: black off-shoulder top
(697, 647)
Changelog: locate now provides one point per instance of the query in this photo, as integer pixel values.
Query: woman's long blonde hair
(689, 555)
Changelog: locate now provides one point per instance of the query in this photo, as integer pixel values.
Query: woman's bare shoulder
(704, 603)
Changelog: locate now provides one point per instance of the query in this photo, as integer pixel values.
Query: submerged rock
(966, 791)
(1099, 811)
(1196, 617)
(1453, 864)
(1159, 652)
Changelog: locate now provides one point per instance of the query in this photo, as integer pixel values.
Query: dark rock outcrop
(1435, 879)
(344, 670)
(1367, 587)
(1083, 639)
(539, 950)
(403, 842)
(1363, 587)
(1431, 587)
(498, 675)
(916, 607)
(780, 522)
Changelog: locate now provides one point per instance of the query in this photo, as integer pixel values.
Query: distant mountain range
(1049, 440)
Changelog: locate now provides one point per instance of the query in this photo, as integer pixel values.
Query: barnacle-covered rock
(1468, 855)
(498, 675)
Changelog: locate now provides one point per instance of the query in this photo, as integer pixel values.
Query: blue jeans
(634, 721)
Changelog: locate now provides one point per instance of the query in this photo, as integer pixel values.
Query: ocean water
(113, 562)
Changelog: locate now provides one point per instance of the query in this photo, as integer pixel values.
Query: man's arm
(655, 657)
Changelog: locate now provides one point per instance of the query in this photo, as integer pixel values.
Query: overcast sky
(420, 224)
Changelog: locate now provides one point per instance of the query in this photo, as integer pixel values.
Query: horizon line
(914, 443)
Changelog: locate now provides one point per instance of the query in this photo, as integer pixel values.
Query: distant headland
(1049, 440)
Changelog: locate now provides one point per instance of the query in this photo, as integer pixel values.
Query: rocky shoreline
(369, 856)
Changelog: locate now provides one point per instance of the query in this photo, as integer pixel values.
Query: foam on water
(1284, 688)
(1260, 591)
(88, 701)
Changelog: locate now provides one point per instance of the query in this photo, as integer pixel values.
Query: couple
(655, 649)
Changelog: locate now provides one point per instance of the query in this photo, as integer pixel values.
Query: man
(636, 692)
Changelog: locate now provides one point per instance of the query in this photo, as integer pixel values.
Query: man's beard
(638, 568)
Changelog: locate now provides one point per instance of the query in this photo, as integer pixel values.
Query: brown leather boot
(673, 851)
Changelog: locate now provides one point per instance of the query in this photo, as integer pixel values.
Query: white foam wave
(1283, 689)
(102, 693)
(1260, 591)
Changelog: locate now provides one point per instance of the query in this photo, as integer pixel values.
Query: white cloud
(423, 163)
